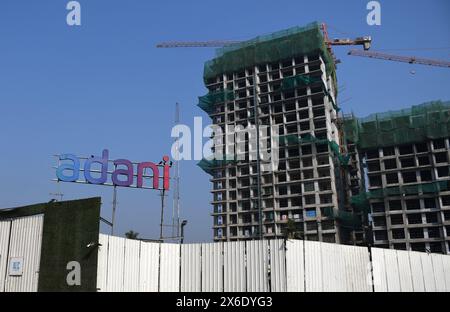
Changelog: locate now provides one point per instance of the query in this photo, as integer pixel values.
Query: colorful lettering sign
(123, 174)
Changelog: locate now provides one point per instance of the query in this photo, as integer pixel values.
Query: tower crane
(398, 58)
(364, 41)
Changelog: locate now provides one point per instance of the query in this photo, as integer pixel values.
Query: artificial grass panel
(68, 228)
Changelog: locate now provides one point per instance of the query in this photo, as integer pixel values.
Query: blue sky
(105, 85)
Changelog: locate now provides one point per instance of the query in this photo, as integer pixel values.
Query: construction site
(291, 187)
(380, 181)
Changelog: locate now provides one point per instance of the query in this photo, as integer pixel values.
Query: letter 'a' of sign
(96, 170)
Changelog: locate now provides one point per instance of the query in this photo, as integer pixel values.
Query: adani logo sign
(96, 170)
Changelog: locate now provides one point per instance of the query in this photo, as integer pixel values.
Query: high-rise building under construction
(406, 156)
(285, 81)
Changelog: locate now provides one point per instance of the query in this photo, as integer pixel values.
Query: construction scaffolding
(430, 120)
(292, 42)
(208, 101)
(291, 139)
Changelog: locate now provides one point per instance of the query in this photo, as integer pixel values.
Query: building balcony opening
(395, 205)
(421, 147)
(416, 233)
(398, 234)
(381, 235)
(412, 204)
(396, 219)
(414, 218)
(406, 149)
(388, 151)
(439, 144)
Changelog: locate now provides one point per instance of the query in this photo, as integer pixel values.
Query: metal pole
(183, 224)
(176, 190)
(162, 215)
(114, 205)
(258, 165)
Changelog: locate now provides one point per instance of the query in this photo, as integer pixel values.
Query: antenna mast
(176, 189)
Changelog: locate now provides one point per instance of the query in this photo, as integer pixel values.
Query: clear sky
(104, 84)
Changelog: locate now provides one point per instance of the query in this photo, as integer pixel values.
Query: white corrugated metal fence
(265, 265)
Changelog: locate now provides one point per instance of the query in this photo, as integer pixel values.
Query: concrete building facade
(295, 96)
(418, 221)
(405, 158)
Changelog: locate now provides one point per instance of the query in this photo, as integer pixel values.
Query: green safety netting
(430, 120)
(292, 139)
(361, 201)
(345, 218)
(299, 81)
(209, 165)
(292, 42)
(351, 129)
(208, 101)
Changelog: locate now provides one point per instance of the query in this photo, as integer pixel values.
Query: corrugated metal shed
(25, 242)
(5, 227)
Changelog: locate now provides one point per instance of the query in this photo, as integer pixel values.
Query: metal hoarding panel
(25, 244)
(392, 274)
(341, 268)
(191, 267)
(212, 267)
(416, 271)
(234, 267)
(330, 259)
(148, 267)
(277, 265)
(131, 266)
(428, 272)
(116, 261)
(439, 273)
(313, 266)
(379, 270)
(102, 262)
(257, 265)
(343, 256)
(5, 227)
(169, 268)
(404, 271)
(359, 277)
(295, 266)
(446, 264)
